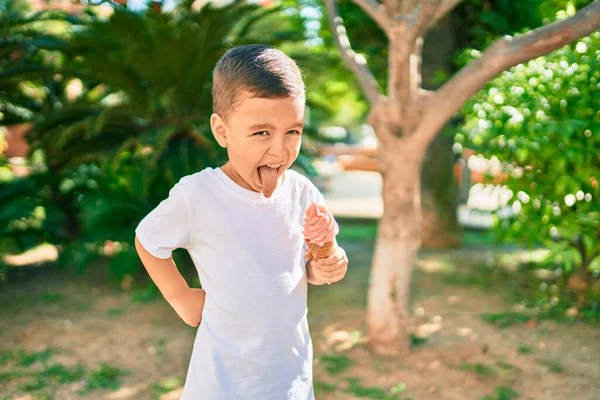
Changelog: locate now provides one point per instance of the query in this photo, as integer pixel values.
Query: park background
(105, 106)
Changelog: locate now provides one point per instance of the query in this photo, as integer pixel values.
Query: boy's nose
(277, 149)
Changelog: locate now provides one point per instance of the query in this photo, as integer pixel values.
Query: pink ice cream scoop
(319, 225)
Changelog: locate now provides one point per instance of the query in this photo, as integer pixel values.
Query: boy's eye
(265, 133)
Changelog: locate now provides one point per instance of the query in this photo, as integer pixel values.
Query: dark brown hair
(260, 70)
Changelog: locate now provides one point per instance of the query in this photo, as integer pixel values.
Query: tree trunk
(396, 247)
(439, 195)
(439, 192)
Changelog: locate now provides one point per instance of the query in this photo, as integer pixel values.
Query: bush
(541, 120)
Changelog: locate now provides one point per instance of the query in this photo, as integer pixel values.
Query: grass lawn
(68, 337)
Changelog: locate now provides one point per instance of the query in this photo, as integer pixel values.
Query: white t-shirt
(254, 340)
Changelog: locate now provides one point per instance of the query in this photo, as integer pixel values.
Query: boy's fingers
(330, 271)
(328, 267)
(334, 258)
(338, 275)
(329, 260)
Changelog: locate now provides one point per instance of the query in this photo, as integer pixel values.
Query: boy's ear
(218, 129)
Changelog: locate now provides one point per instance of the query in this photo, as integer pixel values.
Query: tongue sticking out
(268, 176)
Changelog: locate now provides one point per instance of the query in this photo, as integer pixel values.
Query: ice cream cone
(319, 230)
(318, 251)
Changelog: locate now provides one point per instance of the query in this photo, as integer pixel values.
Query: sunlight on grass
(553, 366)
(324, 387)
(51, 297)
(524, 349)
(33, 371)
(50, 376)
(479, 368)
(506, 318)
(372, 392)
(334, 364)
(27, 359)
(115, 311)
(342, 340)
(39, 254)
(104, 377)
(507, 366)
(503, 393)
(167, 384)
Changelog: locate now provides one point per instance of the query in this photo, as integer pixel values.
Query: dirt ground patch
(53, 318)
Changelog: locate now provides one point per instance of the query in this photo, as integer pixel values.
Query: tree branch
(416, 59)
(407, 6)
(445, 8)
(399, 76)
(415, 21)
(376, 11)
(501, 55)
(427, 11)
(354, 61)
(392, 7)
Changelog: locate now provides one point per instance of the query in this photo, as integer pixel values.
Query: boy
(242, 225)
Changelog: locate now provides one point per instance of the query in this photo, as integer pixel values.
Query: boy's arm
(186, 301)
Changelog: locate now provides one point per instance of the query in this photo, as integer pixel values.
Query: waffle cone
(318, 251)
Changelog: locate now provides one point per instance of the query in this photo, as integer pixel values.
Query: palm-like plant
(27, 59)
(142, 117)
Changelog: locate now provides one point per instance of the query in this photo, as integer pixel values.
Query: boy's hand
(333, 268)
(189, 305)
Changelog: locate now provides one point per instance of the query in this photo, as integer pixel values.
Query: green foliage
(524, 349)
(324, 387)
(507, 367)
(553, 366)
(357, 389)
(30, 45)
(332, 90)
(104, 377)
(483, 21)
(334, 364)
(366, 37)
(167, 384)
(541, 121)
(28, 359)
(479, 369)
(140, 118)
(28, 216)
(147, 90)
(506, 318)
(416, 341)
(358, 231)
(503, 393)
(44, 375)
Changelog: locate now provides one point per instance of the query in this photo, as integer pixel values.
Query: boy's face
(259, 132)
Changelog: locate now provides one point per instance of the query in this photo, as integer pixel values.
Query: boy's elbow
(193, 324)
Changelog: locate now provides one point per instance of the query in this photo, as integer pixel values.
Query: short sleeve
(166, 227)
